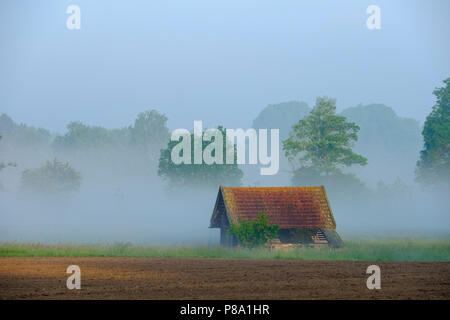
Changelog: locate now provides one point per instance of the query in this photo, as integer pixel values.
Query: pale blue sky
(216, 61)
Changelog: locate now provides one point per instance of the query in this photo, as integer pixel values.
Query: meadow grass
(355, 249)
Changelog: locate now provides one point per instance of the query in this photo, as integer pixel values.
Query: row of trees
(54, 176)
(145, 138)
(319, 148)
(104, 156)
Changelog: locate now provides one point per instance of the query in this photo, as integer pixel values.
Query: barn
(303, 213)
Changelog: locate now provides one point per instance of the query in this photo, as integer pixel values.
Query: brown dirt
(173, 278)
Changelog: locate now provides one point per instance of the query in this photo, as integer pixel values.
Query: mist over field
(122, 198)
(98, 106)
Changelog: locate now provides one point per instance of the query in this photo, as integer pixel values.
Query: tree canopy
(185, 175)
(148, 136)
(433, 167)
(21, 134)
(128, 151)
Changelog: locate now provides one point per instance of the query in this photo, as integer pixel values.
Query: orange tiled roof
(289, 207)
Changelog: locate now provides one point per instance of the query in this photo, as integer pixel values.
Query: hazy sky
(216, 61)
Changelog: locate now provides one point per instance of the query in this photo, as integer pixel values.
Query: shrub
(54, 176)
(254, 233)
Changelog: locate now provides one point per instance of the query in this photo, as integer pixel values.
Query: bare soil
(184, 278)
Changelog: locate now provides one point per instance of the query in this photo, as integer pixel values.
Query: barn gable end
(220, 219)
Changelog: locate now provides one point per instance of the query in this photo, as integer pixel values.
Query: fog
(122, 199)
(144, 217)
(238, 64)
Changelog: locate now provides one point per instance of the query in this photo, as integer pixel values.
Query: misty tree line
(102, 153)
(319, 147)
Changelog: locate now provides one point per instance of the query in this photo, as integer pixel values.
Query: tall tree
(433, 167)
(322, 142)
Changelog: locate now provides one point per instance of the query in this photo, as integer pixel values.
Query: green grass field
(408, 249)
